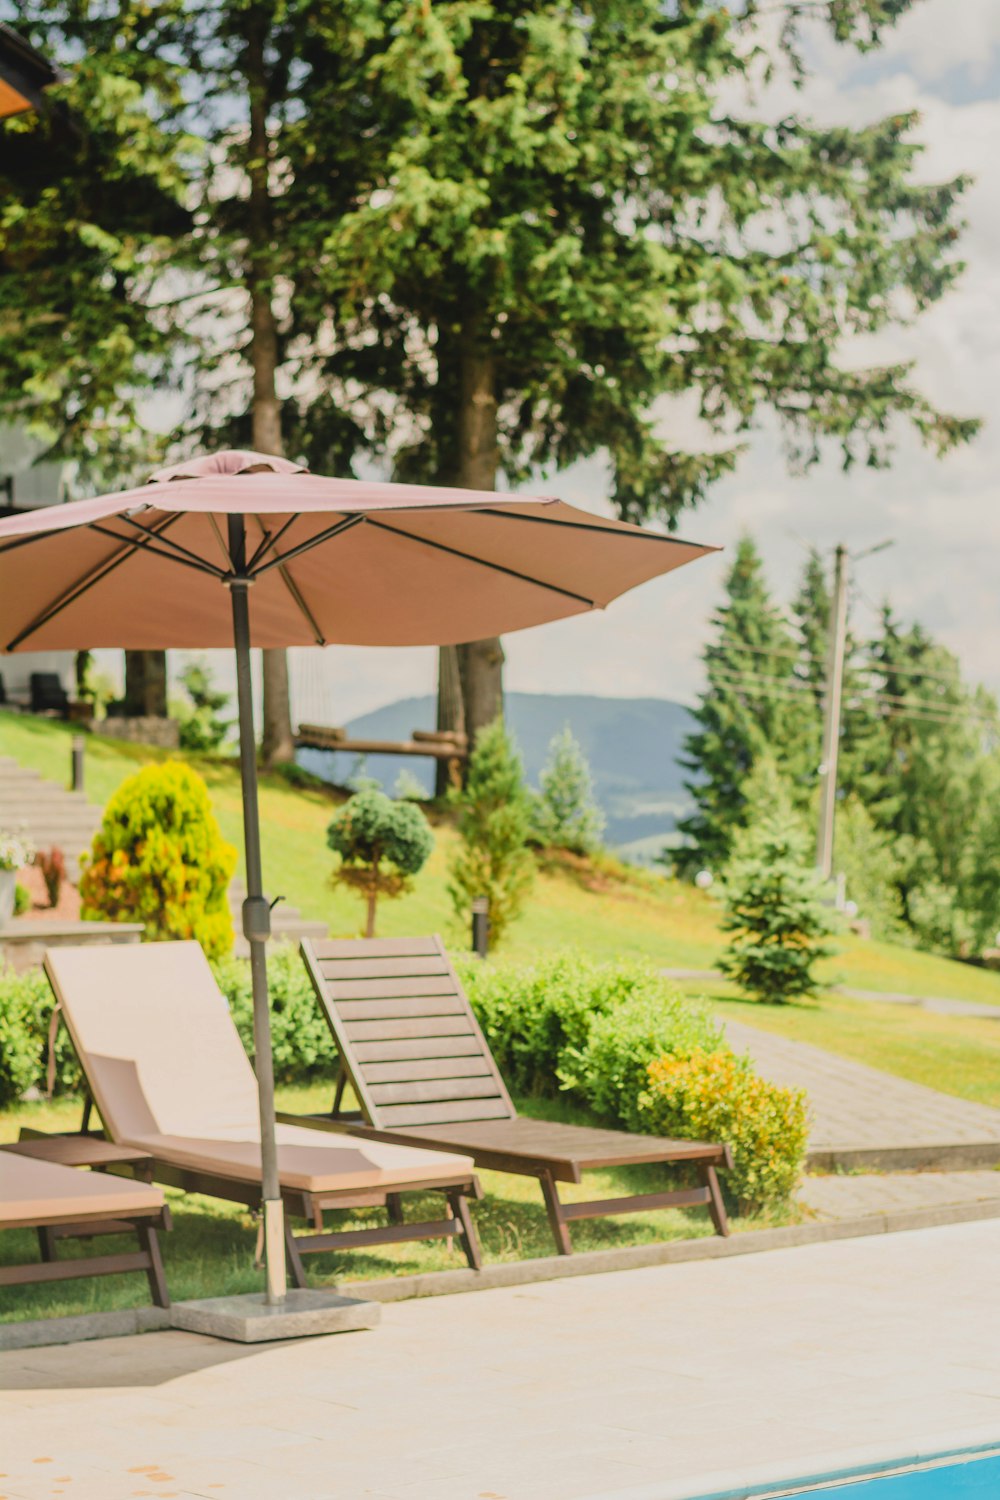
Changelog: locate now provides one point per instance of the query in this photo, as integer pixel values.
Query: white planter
(8, 882)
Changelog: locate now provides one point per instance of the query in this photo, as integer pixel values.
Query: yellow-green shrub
(159, 858)
(717, 1096)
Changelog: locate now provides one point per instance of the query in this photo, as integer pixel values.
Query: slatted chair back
(408, 1039)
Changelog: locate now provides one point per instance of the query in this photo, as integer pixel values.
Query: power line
(758, 687)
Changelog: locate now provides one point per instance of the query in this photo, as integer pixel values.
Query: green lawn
(606, 914)
(210, 1249)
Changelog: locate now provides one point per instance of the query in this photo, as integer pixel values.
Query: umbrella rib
(297, 597)
(87, 582)
(646, 536)
(301, 604)
(270, 539)
(191, 561)
(177, 553)
(344, 524)
(483, 562)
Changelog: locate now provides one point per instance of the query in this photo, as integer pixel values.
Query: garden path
(860, 1112)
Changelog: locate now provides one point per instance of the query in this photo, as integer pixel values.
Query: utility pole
(831, 714)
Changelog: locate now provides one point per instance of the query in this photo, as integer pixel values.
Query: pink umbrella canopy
(331, 560)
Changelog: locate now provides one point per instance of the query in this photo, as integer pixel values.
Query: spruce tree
(493, 860)
(773, 897)
(565, 813)
(750, 706)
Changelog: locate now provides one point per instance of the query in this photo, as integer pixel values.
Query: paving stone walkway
(856, 1108)
(644, 1385)
(858, 1196)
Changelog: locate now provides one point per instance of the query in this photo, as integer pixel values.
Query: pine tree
(565, 814)
(749, 707)
(773, 897)
(494, 824)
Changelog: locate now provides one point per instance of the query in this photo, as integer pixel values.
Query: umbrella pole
(257, 924)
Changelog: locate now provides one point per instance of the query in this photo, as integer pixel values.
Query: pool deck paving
(650, 1384)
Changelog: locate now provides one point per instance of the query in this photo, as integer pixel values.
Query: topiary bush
(301, 1042)
(159, 858)
(611, 1070)
(382, 844)
(717, 1096)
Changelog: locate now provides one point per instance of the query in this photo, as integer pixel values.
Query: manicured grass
(604, 913)
(210, 1250)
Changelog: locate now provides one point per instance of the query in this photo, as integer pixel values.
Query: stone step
(48, 814)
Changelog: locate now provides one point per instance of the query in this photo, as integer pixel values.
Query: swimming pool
(971, 1479)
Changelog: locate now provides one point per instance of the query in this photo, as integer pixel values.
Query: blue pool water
(976, 1479)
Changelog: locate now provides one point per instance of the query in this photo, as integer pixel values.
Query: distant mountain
(632, 744)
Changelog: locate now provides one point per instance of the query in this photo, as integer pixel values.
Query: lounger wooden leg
(150, 1243)
(716, 1207)
(394, 1206)
(557, 1222)
(470, 1239)
(46, 1243)
(294, 1258)
(338, 1097)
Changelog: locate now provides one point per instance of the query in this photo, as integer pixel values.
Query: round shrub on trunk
(159, 858)
(382, 844)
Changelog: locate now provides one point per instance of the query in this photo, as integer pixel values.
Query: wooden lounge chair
(422, 1073)
(168, 1073)
(66, 1202)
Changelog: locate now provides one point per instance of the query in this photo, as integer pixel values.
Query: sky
(943, 60)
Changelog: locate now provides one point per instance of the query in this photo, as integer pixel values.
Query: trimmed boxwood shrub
(534, 1014)
(623, 1041)
(717, 1096)
(300, 1037)
(612, 1068)
(26, 1004)
(18, 1038)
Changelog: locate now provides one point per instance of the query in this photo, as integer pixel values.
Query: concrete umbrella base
(250, 1319)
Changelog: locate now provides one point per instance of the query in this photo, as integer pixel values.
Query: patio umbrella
(173, 563)
(24, 73)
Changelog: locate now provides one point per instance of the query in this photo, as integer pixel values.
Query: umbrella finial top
(229, 461)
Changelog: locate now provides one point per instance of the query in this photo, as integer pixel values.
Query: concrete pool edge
(872, 1461)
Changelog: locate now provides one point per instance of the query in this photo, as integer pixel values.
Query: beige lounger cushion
(169, 1073)
(42, 1192)
(309, 1161)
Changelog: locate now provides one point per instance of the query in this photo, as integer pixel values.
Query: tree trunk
(370, 924)
(278, 745)
(450, 710)
(480, 663)
(146, 684)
